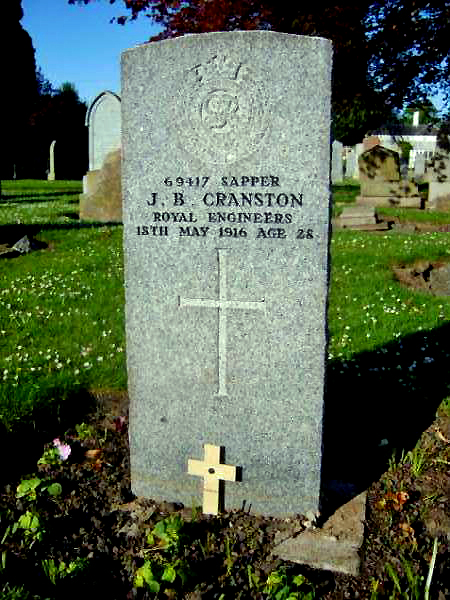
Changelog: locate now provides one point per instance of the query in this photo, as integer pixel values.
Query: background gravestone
(51, 171)
(102, 187)
(351, 164)
(104, 201)
(226, 206)
(439, 180)
(381, 181)
(103, 121)
(419, 165)
(337, 166)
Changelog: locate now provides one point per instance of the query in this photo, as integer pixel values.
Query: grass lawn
(62, 334)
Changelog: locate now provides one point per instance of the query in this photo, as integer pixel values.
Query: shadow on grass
(31, 416)
(35, 197)
(377, 405)
(9, 234)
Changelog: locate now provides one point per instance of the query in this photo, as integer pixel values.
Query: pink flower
(64, 450)
(120, 424)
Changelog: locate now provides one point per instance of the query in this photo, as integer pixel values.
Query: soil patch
(426, 276)
(92, 538)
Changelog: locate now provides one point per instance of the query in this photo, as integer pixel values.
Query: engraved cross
(223, 305)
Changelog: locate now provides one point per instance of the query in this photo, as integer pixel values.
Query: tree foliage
(428, 115)
(21, 88)
(59, 115)
(385, 53)
(33, 112)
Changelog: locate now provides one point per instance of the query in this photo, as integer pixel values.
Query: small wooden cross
(214, 474)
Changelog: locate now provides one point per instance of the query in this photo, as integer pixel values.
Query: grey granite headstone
(226, 222)
(337, 166)
(104, 123)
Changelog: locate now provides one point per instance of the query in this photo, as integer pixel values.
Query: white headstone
(351, 164)
(104, 122)
(337, 166)
(51, 172)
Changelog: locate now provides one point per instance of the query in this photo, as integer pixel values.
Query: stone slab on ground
(359, 217)
(333, 547)
(356, 215)
(383, 226)
(405, 202)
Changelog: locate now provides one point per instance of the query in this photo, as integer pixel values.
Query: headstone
(103, 201)
(381, 182)
(351, 164)
(337, 166)
(419, 165)
(51, 173)
(103, 121)
(226, 203)
(439, 180)
(102, 186)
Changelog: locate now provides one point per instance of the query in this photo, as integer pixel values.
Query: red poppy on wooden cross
(214, 474)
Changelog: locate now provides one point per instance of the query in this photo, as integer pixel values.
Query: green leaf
(153, 586)
(159, 529)
(28, 521)
(299, 579)
(169, 574)
(283, 593)
(28, 486)
(144, 575)
(55, 489)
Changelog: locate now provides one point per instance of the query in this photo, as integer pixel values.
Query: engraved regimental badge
(221, 110)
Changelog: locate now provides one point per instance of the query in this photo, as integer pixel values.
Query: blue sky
(77, 43)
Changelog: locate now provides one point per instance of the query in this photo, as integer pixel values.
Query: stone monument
(337, 163)
(381, 181)
(51, 172)
(351, 164)
(419, 165)
(102, 187)
(103, 122)
(439, 179)
(104, 201)
(225, 140)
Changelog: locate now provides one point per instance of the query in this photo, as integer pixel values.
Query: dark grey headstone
(226, 219)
